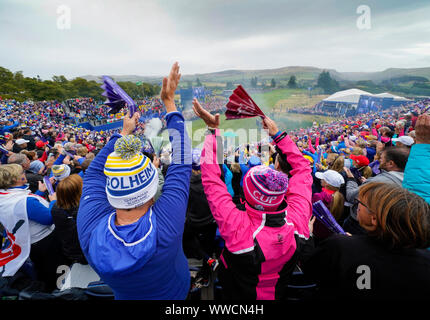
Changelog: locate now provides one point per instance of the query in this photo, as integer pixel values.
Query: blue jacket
(228, 177)
(417, 171)
(143, 260)
(8, 128)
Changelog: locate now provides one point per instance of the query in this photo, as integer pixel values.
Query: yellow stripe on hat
(126, 173)
(120, 164)
(113, 157)
(122, 174)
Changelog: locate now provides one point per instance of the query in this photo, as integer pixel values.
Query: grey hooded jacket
(352, 188)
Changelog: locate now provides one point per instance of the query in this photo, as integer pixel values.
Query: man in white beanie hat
(133, 242)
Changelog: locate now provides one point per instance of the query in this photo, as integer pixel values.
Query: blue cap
(254, 161)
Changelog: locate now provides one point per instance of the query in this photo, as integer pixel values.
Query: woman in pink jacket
(262, 244)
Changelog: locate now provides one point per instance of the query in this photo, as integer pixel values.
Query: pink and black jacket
(261, 248)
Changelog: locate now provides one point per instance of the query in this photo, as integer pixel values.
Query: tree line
(13, 85)
(408, 85)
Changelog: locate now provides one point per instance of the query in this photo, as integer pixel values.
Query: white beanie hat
(132, 180)
(60, 171)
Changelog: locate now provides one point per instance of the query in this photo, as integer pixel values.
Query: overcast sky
(144, 37)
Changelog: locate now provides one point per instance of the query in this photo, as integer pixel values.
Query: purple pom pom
(276, 181)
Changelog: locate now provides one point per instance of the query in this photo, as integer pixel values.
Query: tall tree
(273, 83)
(254, 82)
(292, 83)
(327, 83)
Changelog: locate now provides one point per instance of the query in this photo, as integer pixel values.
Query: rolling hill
(280, 74)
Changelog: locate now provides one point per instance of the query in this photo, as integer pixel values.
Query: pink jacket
(268, 239)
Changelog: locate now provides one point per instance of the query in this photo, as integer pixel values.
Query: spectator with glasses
(389, 261)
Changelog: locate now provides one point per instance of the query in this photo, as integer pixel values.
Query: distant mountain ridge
(301, 73)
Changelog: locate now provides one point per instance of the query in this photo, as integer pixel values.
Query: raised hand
(129, 124)
(211, 121)
(168, 89)
(270, 125)
(422, 129)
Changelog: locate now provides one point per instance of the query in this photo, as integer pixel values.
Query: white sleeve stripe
(295, 232)
(244, 250)
(263, 221)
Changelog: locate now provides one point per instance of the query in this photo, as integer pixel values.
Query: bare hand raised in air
(422, 129)
(270, 125)
(168, 89)
(211, 121)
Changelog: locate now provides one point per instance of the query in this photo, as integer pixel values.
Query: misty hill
(301, 73)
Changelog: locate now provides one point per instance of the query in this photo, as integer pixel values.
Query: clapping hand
(168, 89)
(212, 121)
(422, 129)
(270, 125)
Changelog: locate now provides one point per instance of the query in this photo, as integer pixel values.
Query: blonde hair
(338, 164)
(366, 172)
(361, 143)
(9, 175)
(338, 202)
(82, 151)
(235, 167)
(357, 151)
(331, 157)
(90, 156)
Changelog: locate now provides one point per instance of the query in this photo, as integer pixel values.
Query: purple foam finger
(70, 155)
(324, 215)
(117, 97)
(322, 219)
(48, 185)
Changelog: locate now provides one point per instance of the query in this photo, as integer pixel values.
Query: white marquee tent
(347, 96)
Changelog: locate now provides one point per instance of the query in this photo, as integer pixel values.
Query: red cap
(40, 144)
(362, 161)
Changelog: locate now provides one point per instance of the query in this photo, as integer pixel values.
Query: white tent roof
(349, 96)
(353, 96)
(389, 95)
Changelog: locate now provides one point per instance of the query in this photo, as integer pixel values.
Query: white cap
(22, 141)
(406, 140)
(332, 177)
(353, 138)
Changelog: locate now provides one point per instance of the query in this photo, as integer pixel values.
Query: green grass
(286, 122)
(267, 100)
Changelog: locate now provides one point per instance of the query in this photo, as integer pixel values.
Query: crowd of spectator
(135, 217)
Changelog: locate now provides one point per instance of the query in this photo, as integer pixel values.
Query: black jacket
(65, 226)
(32, 144)
(33, 180)
(198, 213)
(340, 265)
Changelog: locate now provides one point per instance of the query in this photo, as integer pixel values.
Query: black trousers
(46, 256)
(199, 242)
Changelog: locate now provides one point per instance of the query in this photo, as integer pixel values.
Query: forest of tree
(16, 86)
